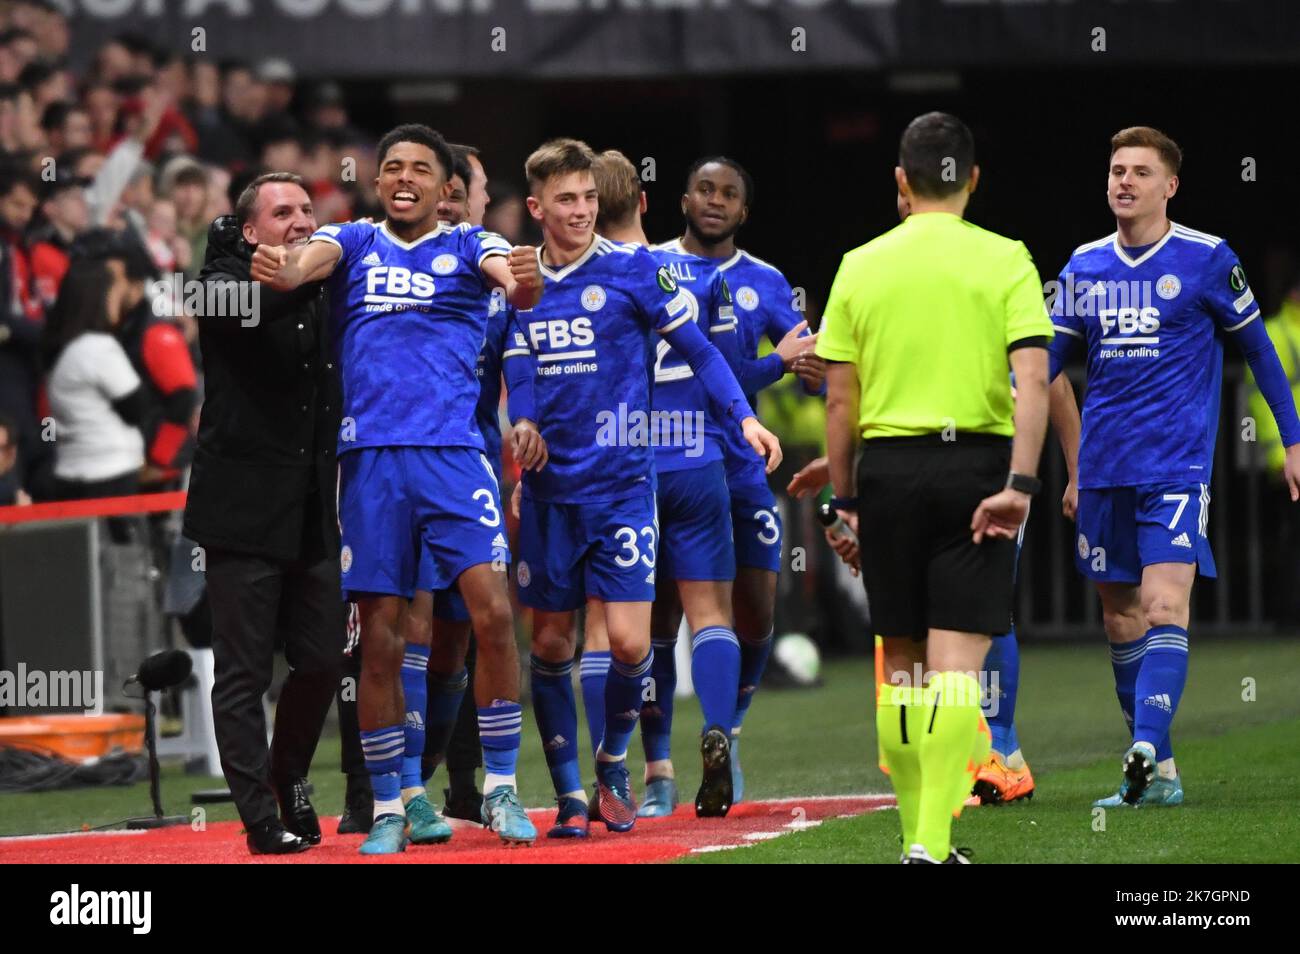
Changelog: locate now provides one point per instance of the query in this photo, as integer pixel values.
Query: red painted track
(653, 840)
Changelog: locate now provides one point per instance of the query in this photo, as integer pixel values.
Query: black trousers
(120, 529)
(465, 750)
(124, 485)
(352, 758)
(256, 603)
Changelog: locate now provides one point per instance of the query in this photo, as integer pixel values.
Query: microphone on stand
(160, 671)
(163, 670)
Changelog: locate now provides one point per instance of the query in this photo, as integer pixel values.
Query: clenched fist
(267, 262)
(524, 267)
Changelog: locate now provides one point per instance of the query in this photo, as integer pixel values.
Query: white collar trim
(1135, 262)
(442, 229)
(558, 274)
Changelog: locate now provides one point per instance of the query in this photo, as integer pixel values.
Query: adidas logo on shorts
(1182, 540)
(372, 259)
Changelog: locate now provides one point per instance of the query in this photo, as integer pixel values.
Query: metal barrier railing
(816, 595)
(80, 588)
(1053, 600)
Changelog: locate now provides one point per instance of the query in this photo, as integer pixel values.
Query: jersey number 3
(493, 516)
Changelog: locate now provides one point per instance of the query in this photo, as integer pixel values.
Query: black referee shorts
(916, 497)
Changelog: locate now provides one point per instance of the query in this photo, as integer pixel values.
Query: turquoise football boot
(1139, 770)
(737, 774)
(387, 836)
(1161, 793)
(1113, 801)
(660, 798)
(427, 826)
(505, 816)
(715, 795)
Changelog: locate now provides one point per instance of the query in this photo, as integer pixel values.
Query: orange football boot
(998, 784)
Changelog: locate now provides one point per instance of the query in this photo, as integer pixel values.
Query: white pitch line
(798, 824)
(74, 834)
(805, 824)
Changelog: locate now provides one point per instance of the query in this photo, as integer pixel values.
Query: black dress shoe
(358, 807)
(296, 812)
(467, 806)
(270, 838)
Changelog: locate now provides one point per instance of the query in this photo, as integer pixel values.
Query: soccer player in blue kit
(588, 529)
(441, 620)
(409, 323)
(1153, 302)
(716, 203)
(696, 563)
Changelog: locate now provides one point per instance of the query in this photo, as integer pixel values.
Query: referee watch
(1024, 483)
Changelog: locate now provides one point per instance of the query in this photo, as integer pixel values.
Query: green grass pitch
(1235, 740)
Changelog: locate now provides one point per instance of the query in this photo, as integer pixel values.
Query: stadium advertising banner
(604, 38)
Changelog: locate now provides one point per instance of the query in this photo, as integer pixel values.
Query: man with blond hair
(579, 367)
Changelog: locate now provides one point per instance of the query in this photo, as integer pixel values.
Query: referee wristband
(844, 503)
(1024, 483)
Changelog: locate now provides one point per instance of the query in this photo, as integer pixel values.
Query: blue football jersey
(409, 321)
(676, 390)
(765, 302)
(590, 343)
(764, 306)
(487, 413)
(1152, 326)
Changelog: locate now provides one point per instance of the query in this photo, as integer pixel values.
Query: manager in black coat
(262, 505)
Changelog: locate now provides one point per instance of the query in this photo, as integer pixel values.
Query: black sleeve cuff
(1037, 341)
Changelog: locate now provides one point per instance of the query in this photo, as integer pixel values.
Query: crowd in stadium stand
(109, 178)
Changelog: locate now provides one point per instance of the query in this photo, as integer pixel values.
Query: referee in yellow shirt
(921, 328)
